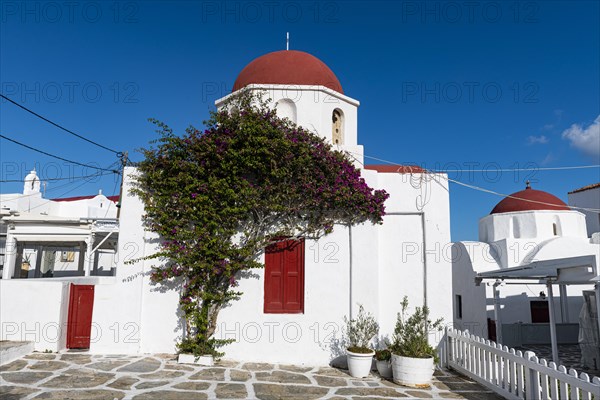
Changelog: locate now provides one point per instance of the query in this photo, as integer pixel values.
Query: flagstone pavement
(80, 376)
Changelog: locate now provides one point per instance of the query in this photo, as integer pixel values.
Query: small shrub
(383, 355)
(410, 333)
(360, 331)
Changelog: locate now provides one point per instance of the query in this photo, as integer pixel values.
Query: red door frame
(79, 323)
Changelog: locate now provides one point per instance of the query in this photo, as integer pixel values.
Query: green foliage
(360, 331)
(410, 333)
(218, 197)
(383, 355)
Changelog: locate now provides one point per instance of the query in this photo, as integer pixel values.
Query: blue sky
(446, 85)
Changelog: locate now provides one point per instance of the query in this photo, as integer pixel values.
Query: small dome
(31, 176)
(288, 67)
(533, 200)
(31, 183)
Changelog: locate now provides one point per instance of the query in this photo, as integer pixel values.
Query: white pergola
(582, 270)
(24, 227)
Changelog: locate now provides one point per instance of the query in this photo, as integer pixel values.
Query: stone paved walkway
(569, 354)
(81, 376)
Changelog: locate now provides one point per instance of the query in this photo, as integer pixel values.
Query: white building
(588, 197)
(370, 265)
(530, 231)
(49, 237)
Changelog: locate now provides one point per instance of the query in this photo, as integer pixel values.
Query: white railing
(514, 374)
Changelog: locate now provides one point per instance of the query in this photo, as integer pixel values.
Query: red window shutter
(284, 277)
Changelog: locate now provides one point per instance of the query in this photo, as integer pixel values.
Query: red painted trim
(114, 199)
(588, 187)
(399, 169)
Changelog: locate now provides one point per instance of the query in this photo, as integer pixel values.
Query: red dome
(535, 197)
(288, 67)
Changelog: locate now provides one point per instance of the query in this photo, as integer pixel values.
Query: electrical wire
(521, 169)
(118, 153)
(60, 179)
(57, 157)
(494, 169)
(595, 210)
(61, 186)
(60, 195)
(114, 192)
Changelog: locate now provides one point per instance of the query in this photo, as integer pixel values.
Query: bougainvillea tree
(218, 197)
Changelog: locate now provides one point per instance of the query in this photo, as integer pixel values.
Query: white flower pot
(413, 372)
(385, 369)
(359, 364)
(208, 361)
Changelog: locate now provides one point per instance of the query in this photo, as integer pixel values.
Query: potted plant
(25, 265)
(412, 356)
(360, 331)
(384, 365)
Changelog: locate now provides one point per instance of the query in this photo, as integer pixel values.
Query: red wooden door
(79, 325)
(539, 311)
(284, 277)
(491, 325)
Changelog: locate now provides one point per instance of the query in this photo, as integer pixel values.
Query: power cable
(493, 169)
(59, 126)
(57, 157)
(59, 179)
(62, 194)
(595, 210)
(55, 187)
(113, 193)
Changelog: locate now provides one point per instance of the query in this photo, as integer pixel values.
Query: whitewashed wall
(131, 315)
(588, 199)
(469, 259)
(401, 246)
(379, 277)
(500, 248)
(36, 311)
(294, 338)
(313, 108)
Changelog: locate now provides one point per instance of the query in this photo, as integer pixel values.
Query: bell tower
(306, 91)
(32, 183)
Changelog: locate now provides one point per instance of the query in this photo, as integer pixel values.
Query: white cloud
(558, 114)
(548, 159)
(586, 139)
(548, 127)
(537, 139)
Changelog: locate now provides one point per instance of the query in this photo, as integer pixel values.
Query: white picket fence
(513, 374)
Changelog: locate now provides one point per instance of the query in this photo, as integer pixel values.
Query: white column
(598, 305)
(564, 304)
(89, 254)
(552, 324)
(10, 257)
(497, 312)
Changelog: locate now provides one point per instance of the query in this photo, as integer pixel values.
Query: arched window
(516, 225)
(337, 127)
(556, 226)
(286, 108)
